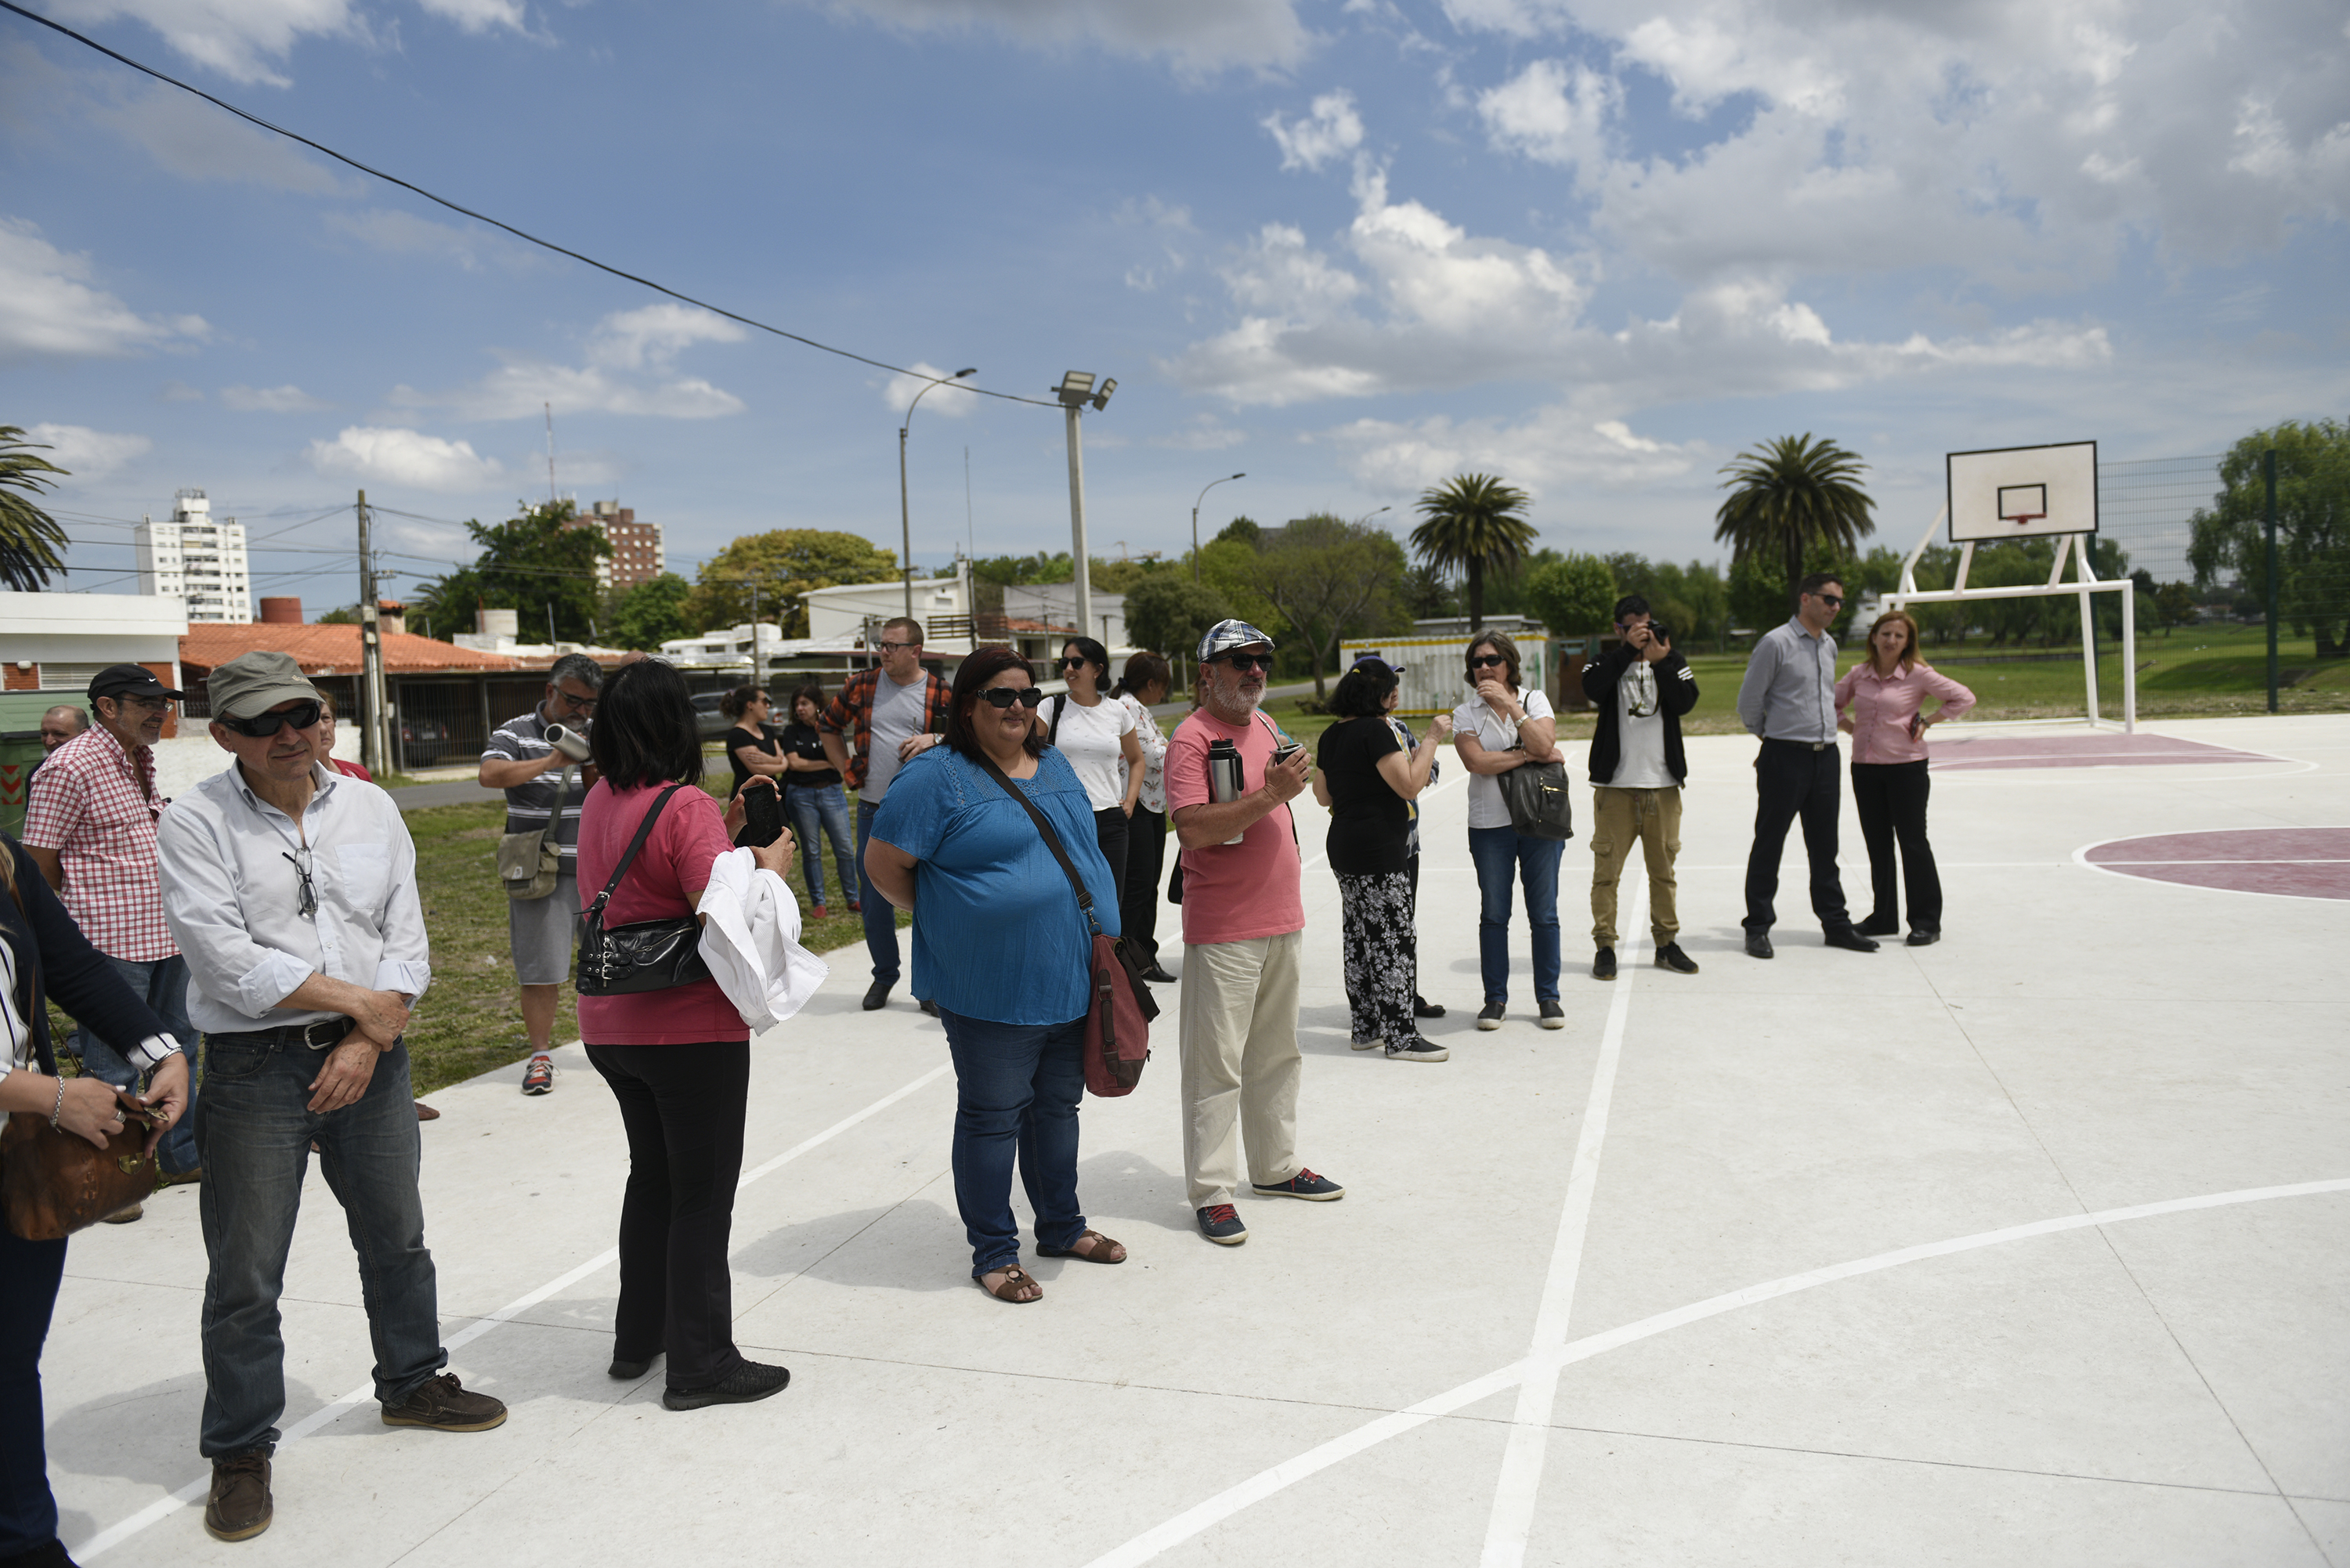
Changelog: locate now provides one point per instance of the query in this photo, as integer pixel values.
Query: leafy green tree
(1026, 571)
(650, 613)
(1426, 595)
(1574, 595)
(1473, 523)
(2174, 604)
(1169, 612)
(1330, 578)
(1231, 569)
(2313, 465)
(537, 561)
(1788, 496)
(784, 564)
(29, 537)
(1758, 587)
(341, 614)
(447, 603)
(1243, 529)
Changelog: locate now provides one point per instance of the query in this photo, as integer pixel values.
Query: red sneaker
(819, 912)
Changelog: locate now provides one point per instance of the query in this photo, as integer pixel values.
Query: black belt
(317, 1035)
(1806, 745)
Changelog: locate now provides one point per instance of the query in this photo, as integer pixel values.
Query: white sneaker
(1373, 1043)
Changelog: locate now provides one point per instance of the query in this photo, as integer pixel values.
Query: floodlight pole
(1195, 520)
(905, 523)
(2268, 478)
(1083, 578)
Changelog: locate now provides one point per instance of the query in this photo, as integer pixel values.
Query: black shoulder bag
(648, 955)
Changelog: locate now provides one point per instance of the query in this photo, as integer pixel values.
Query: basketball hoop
(2026, 519)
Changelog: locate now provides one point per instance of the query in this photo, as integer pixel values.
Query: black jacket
(53, 956)
(1676, 695)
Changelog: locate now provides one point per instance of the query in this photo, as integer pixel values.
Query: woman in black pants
(678, 1059)
(1142, 687)
(1097, 737)
(1880, 703)
(41, 951)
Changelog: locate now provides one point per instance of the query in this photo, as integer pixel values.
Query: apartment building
(196, 559)
(637, 555)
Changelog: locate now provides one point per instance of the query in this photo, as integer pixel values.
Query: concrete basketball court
(2028, 1248)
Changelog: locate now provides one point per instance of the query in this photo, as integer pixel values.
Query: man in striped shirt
(540, 933)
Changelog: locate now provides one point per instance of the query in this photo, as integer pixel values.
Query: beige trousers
(1619, 817)
(1241, 1062)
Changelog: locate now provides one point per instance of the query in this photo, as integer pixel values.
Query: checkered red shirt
(95, 803)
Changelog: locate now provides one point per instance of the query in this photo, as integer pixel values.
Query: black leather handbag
(648, 955)
(1536, 794)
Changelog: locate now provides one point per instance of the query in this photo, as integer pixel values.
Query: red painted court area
(2292, 862)
(2097, 750)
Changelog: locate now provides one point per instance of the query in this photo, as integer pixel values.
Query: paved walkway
(2028, 1248)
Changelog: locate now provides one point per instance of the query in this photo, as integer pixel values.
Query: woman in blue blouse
(1002, 949)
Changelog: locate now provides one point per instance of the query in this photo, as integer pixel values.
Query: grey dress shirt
(232, 900)
(1789, 692)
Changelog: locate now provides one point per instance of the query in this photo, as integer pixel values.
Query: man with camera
(1641, 687)
(291, 890)
(1231, 776)
(522, 760)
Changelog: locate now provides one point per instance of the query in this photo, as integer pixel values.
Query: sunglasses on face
(1244, 662)
(1831, 600)
(261, 726)
(1074, 662)
(1487, 661)
(1001, 697)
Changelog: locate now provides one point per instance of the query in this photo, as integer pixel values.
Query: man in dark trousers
(1788, 700)
(1641, 687)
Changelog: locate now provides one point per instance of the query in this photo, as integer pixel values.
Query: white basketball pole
(2129, 659)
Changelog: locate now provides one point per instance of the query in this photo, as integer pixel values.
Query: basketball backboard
(2022, 492)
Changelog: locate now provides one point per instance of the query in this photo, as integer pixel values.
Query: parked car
(708, 721)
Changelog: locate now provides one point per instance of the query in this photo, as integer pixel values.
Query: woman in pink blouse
(1879, 702)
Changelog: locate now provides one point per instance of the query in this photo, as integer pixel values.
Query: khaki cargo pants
(1618, 818)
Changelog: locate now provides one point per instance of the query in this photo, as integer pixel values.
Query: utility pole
(550, 452)
(1085, 584)
(2268, 476)
(758, 675)
(374, 732)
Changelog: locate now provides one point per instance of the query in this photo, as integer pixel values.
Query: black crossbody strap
(1053, 731)
(644, 831)
(1051, 840)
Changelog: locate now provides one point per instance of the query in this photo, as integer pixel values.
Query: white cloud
(950, 400)
(242, 38)
(1202, 432)
(47, 307)
(619, 346)
(180, 392)
(1555, 115)
(480, 16)
(87, 453)
(286, 399)
(1556, 453)
(1196, 35)
(404, 457)
(1332, 130)
(654, 334)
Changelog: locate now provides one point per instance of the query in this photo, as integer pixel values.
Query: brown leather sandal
(1018, 1286)
(1101, 1251)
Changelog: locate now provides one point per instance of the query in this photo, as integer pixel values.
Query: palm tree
(1474, 521)
(29, 536)
(1791, 493)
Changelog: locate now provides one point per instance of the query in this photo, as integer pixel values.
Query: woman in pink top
(678, 1059)
(1878, 701)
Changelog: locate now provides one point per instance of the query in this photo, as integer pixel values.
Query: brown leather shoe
(127, 1216)
(239, 1506)
(442, 1404)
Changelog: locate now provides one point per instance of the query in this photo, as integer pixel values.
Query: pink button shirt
(1882, 707)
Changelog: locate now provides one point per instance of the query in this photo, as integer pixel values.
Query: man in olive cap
(292, 890)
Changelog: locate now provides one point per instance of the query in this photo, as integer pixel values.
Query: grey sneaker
(239, 1507)
(1417, 1049)
(442, 1404)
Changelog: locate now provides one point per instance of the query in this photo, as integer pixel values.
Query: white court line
(1522, 1462)
(1257, 1488)
(163, 1508)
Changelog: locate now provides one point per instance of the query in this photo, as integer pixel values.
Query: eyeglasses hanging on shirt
(307, 903)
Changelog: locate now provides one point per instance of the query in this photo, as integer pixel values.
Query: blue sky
(1596, 246)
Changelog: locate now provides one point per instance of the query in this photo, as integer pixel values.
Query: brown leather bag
(55, 1183)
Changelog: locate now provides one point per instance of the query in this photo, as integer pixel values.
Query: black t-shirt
(1369, 822)
(806, 741)
(739, 736)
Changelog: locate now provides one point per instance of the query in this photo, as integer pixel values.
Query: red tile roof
(332, 649)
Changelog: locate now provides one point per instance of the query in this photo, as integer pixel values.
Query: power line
(509, 228)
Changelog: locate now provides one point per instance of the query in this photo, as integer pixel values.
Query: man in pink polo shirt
(1243, 927)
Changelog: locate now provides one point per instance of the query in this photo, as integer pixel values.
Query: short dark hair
(903, 623)
(1092, 652)
(1141, 669)
(983, 666)
(1631, 604)
(1362, 692)
(644, 731)
(577, 667)
(735, 701)
(813, 692)
(1499, 642)
(1814, 581)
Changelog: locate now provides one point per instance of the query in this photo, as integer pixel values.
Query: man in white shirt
(1641, 687)
(291, 888)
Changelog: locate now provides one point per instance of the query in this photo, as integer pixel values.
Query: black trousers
(30, 1272)
(1137, 898)
(1892, 800)
(1792, 780)
(684, 1106)
(1111, 832)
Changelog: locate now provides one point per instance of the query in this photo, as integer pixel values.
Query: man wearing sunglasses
(292, 890)
(893, 714)
(1244, 930)
(89, 825)
(1788, 700)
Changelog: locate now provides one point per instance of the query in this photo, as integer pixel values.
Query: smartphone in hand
(1917, 725)
(762, 814)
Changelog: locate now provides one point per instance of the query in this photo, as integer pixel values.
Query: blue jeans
(1016, 1091)
(162, 985)
(255, 1130)
(29, 1275)
(1496, 850)
(828, 805)
(880, 914)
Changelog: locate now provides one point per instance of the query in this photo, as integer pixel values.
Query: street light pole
(904, 522)
(1075, 390)
(1195, 519)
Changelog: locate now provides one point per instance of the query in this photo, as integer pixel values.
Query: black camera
(1659, 630)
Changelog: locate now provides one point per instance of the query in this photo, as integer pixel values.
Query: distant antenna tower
(550, 452)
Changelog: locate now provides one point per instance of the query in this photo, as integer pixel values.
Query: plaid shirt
(95, 803)
(853, 711)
